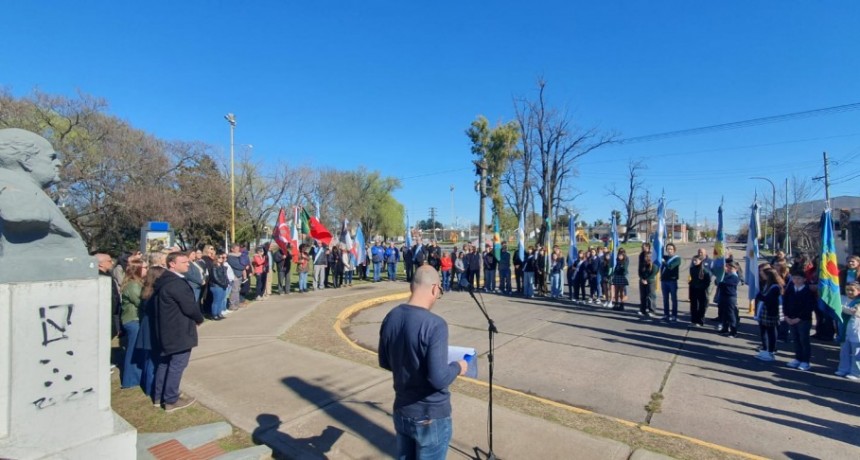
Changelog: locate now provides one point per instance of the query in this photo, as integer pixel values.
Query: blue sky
(393, 85)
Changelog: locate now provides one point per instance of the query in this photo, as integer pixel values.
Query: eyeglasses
(441, 291)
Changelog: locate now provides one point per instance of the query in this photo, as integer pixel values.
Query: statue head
(30, 153)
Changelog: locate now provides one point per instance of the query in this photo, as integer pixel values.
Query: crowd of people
(159, 299)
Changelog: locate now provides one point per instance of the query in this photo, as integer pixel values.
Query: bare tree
(631, 196)
(552, 144)
(258, 195)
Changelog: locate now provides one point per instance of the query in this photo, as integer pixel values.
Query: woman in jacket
(218, 283)
(145, 350)
(259, 265)
(132, 286)
(767, 312)
(619, 279)
(446, 265)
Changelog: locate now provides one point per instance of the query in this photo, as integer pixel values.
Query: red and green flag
(312, 226)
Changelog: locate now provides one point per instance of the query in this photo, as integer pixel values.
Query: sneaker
(852, 377)
(733, 335)
(794, 364)
(673, 319)
(764, 356)
(840, 373)
(181, 403)
(803, 367)
(639, 313)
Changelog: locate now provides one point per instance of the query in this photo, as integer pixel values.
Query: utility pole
(481, 171)
(452, 206)
(232, 120)
(826, 181)
(433, 221)
(787, 241)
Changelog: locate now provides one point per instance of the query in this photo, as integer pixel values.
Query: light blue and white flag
(751, 259)
(658, 241)
(521, 238)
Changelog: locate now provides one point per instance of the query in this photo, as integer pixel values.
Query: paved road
(613, 362)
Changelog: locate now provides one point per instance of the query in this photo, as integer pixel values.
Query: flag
(497, 238)
(294, 237)
(408, 233)
(305, 225)
(281, 232)
(659, 239)
(614, 241)
(521, 238)
(718, 266)
(571, 231)
(360, 252)
(829, 299)
(317, 230)
(346, 238)
(751, 274)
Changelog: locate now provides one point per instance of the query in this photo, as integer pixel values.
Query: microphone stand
(491, 328)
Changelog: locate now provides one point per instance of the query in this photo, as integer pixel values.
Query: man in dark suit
(177, 316)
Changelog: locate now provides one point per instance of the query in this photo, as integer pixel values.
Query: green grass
(136, 408)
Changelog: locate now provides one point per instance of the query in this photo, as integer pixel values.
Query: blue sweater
(413, 345)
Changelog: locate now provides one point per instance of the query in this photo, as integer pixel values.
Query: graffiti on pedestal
(58, 385)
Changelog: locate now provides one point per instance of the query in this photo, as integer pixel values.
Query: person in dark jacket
(176, 317)
(518, 270)
(283, 264)
(767, 303)
(669, 272)
(647, 284)
(798, 302)
(408, 262)
(505, 270)
(105, 265)
(700, 279)
(727, 292)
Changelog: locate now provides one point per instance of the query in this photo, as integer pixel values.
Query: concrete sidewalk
(308, 404)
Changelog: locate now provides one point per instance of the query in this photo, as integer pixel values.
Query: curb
(350, 311)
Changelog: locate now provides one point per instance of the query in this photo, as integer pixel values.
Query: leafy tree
(495, 147)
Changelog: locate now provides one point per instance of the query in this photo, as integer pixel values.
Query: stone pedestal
(55, 373)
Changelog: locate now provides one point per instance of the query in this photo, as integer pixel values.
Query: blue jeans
(422, 439)
(219, 299)
(446, 280)
(131, 370)
(555, 284)
(529, 284)
(377, 269)
(348, 277)
(802, 347)
(490, 280)
(168, 375)
(196, 290)
(670, 289)
(303, 281)
(849, 358)
(505, 280)
(392, 271)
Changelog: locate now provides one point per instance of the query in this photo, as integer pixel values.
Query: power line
(743, 124)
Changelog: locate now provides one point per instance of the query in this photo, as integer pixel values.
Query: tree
(552, 144)
(259, 193)
(495, 147)
(631, 197)
(429, 225)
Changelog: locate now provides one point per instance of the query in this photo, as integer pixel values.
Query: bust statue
(37, 242)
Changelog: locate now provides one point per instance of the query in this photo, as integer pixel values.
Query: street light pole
(232, 120)
(772, 211)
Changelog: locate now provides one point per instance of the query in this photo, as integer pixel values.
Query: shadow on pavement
(334, 407)
(286, 447)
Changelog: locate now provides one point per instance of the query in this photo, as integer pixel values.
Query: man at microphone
(413, 345)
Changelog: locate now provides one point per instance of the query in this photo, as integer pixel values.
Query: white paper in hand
(469, 354)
